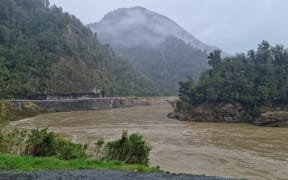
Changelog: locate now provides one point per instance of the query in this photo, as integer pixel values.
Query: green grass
(26, 163)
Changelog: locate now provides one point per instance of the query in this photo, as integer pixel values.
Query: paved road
(99, 175)
(52, 100)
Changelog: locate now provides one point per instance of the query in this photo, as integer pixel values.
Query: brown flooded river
(228, 150)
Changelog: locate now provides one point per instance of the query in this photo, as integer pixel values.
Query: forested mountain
(155, 45)
(43, 50)
(256, 79)
(170, 63)
(136, 26)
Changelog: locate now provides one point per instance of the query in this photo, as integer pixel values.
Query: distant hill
(43, 50)
(168, 64)
(154, 45)
(137, 26)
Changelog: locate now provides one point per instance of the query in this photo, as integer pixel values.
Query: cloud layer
(235, 26)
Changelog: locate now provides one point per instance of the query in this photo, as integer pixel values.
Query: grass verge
(27, 163)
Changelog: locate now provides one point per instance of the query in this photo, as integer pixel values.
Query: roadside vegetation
(39, 149)
(28, 163)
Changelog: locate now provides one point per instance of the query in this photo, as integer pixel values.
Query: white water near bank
(227, 150)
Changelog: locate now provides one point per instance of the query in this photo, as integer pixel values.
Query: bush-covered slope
(256, 79)
(166, 65)
(155, 45)
(43, 50)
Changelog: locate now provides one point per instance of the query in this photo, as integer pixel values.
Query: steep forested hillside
(43, 50)
(255, 79)
(155, 45)
(168, 64)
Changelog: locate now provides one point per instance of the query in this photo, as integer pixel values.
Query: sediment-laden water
(228, 150)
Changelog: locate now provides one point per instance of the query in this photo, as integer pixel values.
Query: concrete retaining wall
(88, 104)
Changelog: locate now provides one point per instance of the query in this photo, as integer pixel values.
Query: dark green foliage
(43, 50)
(67, 150)
(11, 141)
(41, 143)
(130, 149)
(100, 142)
(3, 117)
(214, 58)
(2, 141)
(7, 112)
(260, 77)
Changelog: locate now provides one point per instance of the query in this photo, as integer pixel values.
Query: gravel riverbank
(99, 175)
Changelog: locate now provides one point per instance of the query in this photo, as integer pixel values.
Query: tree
(214, 58)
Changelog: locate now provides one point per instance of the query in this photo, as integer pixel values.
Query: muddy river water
(228, 150)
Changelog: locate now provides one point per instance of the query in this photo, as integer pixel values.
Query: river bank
(270, 115)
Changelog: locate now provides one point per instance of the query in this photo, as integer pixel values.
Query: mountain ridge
(113, 19)
(154, 45)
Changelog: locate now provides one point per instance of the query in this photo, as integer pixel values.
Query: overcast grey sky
(233, 25)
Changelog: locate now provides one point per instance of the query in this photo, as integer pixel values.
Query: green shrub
(6, 109)
(12, 141)
(180, 106)
(41, 143)
(99, 150)
(3, 117)
(67, 150)
(130, 149)
(100, 142)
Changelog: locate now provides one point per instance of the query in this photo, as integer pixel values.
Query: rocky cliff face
(218, 112)
(273, 119)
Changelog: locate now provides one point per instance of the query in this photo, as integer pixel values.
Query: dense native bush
(130, 149)
(255, 79)
(44, 50)
(67, 150)
(40, 143)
